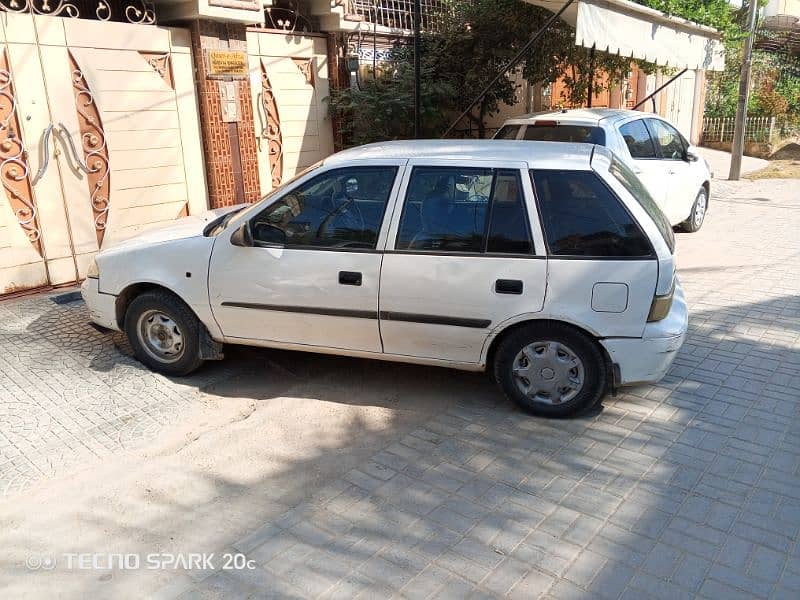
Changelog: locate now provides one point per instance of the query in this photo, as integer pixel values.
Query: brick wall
(230, 148)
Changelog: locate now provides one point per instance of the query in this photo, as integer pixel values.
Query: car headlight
(93, 272)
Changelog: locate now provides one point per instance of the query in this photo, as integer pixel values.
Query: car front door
(465, 254)
(311, 276)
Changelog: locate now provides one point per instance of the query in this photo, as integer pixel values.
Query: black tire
(186, 356)
(696, 219)
(594, 375)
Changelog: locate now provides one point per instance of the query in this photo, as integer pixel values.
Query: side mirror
(242, 236)
(690, 156)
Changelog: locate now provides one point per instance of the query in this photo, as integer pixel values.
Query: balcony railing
(398, 14)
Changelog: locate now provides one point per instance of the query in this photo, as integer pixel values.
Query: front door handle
(349, 277)
(508, 286)
(46, 161)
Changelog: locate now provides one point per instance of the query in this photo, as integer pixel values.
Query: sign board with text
(226, 63)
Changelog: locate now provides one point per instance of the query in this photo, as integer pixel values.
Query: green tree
(474, 40)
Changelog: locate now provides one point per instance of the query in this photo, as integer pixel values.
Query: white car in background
(677, 177)
(548, 264)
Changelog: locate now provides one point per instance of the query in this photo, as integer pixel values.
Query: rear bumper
(647, 359)
(102, 307)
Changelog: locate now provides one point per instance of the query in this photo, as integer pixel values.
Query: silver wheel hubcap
(700, 208)
(160, 336)
(548, 372)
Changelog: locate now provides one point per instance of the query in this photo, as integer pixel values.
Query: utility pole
(744, 92)
(417, 71)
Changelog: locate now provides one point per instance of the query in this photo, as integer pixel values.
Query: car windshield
(637, 189)
(552, 132)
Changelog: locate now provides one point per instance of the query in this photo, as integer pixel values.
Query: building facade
(118, 116)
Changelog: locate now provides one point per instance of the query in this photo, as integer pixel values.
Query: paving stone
(684, 488)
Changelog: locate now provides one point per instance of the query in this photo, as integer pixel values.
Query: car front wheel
(698, 214)
(164, 333)
(550, 370)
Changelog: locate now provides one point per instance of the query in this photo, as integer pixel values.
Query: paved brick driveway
(69, 394)
(687, 488)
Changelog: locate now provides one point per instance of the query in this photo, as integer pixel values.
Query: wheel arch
(501, 333)
(126, 296)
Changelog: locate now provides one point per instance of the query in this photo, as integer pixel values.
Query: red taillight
(545, 123)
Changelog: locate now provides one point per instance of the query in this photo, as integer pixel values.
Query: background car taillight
(661, 305)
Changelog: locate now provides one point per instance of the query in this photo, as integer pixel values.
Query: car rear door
(464, 254)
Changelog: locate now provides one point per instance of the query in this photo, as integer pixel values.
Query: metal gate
(289, 83)
(99, 138)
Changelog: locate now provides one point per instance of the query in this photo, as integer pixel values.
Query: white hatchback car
(677, 177)
(547, 263)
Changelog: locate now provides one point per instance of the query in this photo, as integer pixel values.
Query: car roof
(582, 116)
(542, 155)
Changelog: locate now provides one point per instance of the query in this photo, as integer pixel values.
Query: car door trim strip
(367, 314)
(309, 310)
(435, 320)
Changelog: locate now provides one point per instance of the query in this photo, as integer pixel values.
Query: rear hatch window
(507, 132)
(552, 131)
(634, 185)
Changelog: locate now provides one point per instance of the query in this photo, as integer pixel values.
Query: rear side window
(637, 138)
(507, 132)
(542, 132)
(464, 209)
(582, 217)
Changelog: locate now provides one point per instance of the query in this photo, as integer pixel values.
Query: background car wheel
(698, 214)
(164, 333)
(550, 370)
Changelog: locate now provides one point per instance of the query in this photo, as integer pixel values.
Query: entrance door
(108, 118)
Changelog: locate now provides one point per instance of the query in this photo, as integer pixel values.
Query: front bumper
(647, 359)
(102, 307)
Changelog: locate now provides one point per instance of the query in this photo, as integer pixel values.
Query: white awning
(630, 29)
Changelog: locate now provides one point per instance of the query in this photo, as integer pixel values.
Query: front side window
(507, 132)
(637, 139)
(463, 209)
(583, 134)
(668, 141)
(341, 208)
(582, 217)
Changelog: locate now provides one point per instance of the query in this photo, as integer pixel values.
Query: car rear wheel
(550, 370)
(698, 214)
(164, 333)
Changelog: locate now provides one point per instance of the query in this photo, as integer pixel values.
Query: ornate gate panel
(289, 82)
(108, 112)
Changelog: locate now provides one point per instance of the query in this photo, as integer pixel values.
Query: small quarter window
(583, 217)
(637, 138)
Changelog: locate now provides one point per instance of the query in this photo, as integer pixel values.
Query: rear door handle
(508, 286)
(349, 277)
